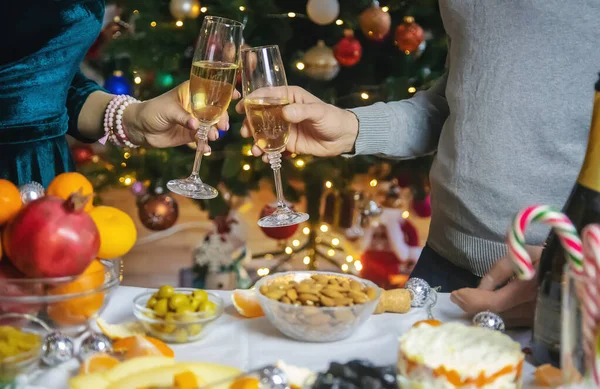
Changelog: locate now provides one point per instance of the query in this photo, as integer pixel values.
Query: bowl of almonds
(317, 306)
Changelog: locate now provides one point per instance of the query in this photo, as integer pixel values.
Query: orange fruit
(142, 346)
(431, 322)
(65, 184)
(120, 331)
(10, 201)
(548, 376)
(117, 231)
(185, 380)
(245, 383)
(246, 303)
(80, 309)
(97, 363)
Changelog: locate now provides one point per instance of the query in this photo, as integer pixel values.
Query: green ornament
(164, 80)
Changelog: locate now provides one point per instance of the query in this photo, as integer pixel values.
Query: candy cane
(566, 232)
(591, 301)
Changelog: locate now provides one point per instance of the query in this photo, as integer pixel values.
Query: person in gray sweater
(509, 121)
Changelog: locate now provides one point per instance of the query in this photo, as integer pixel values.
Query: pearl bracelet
(113, 121)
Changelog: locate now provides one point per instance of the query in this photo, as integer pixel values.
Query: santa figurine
(390, 249)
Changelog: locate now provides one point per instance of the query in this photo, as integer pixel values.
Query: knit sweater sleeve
(406, 128)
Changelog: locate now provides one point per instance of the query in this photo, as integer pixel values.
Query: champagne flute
(265, 94)
(212, 82)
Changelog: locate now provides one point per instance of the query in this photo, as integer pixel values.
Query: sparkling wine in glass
(265, 95)
(212, 82)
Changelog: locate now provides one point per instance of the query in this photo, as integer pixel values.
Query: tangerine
(10, 201)
(97, 363)
(142, 346)
(65, 184)
(246, 303)
(245, 383)
(185, 380)
(117, 231)
(430, 322)
(79, 310)
(548, 376)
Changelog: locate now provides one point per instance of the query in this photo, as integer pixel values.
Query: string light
(291, 14)
(331, 252)
(300, 65)
(207, 154)
(324, 228)
(293, 155)
(373, 183)
(152, 24)
(328, 184)
(306, 230)
(95, 159)
(288, 250)
(263, 271)
(126, 180)
(300, 162)
(137, 80)
(306, 260)
(349, 259)
(242, 8)
(407, 52)
(268, 256)
(335, 241)
(135, 11)
(296, 243)
(126, 155)
(123, 164)
(339, 22)
(358, 265)
(246, 167)
(345, 267)
(203, 9)
(405, 214)
(364, 96)
(412, 89)
(385, 8)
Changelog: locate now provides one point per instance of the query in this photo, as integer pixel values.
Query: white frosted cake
(453, 355)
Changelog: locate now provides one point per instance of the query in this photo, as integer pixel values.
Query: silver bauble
(57, 348)
(94, 343)
(182, 9)
(323, 12)
(31, 191)
(419, 292)
(273, 377)
(489, 320)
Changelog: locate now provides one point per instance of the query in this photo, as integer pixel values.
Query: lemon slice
(120, 331)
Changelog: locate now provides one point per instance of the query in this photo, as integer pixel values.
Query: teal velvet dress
(41, 88)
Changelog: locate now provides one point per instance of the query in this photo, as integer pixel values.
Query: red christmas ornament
(375, 23)
(348, 51)
(409, 35)
(423, 207)
(279, 233)
(82, 154)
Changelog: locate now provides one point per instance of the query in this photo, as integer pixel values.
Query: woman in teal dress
(44, 96)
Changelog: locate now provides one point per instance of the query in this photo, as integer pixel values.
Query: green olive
(178, 300)
(169, 328)
(151, 303)
(194, 303)
(208, 307)
(181, 335)
(200, 295)
(194, 329)
(161, 307)
(166, 291)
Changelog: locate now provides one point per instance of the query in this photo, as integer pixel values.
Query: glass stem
(275, 160)
(201, 139)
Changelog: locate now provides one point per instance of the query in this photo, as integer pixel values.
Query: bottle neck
(590, 171)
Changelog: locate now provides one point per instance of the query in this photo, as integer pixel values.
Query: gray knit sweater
(509, 120)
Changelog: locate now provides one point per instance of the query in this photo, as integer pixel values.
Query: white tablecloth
(251, 343)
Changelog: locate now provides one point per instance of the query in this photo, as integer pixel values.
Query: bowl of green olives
(177, 315)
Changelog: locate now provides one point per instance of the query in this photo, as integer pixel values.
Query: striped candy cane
(566, 232)
(591, 300)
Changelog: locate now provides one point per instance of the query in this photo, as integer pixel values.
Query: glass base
(192, 188)
(283, 217)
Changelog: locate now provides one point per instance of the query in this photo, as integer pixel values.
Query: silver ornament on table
(57, 348)
(273, 377)
(489, 320)
(31, 191)
(94, 343)
(420, 291)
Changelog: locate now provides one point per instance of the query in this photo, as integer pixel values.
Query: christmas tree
(348, 53)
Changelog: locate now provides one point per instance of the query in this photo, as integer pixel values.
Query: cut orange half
(246, 303)
(97, 363)
(142, 346)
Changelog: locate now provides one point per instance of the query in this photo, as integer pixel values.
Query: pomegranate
(14, 284)
(52, 237)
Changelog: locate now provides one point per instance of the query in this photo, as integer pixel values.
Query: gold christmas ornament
(375, 23)
(320, 63)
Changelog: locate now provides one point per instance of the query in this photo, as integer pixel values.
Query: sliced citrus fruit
(142, 346)
(246, 303)
(548, 376)
(185, 380)
(245, 383)
(120, 331)
(430, 322)
(97, 363)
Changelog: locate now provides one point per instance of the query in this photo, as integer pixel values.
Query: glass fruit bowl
(164, 318)
(21, 339)
(66, 304)
(315, 323)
